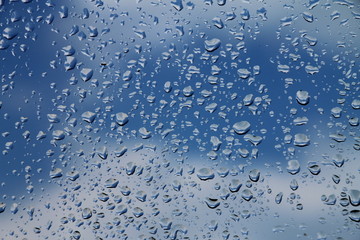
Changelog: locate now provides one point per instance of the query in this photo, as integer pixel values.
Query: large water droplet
(293, 166)
(241, 127)
(301, 140)
(302, 97)
(205, 174)
(212, 44)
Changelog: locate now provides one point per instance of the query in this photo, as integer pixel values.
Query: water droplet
(241, 127)
(314, 168)
(294, 185)
(247, 194)
(2, 207)
(212, 202)
(144, 133)
(120, 151)
(355, 104)
(205, 174)
(212, 45)
(86, 213)
(218, 22)
(336, 179)
(355, 215)
(243, 73)
(177, 4)
(86, 74)
(111, 183)
(308, 17)
(278, 198)
(354, 197)
(121, 209)
(9, 33)
(255, 140)
(302, 97)
(188, 91)
(56, 173)
(293, 167)
(68, 50)
(235, 185)
(336, 112)
(165, 223)
(301, 140)
(122, 118)
(88, 116)
(330, 200)
(254, 175)
(312, 69)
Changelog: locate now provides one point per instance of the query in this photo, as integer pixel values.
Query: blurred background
(206, 119)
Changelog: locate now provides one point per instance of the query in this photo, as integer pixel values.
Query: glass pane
(204, 119)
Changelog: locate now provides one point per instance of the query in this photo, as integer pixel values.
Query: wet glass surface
(204, 119)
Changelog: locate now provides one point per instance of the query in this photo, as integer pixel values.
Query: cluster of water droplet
(175, 120)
